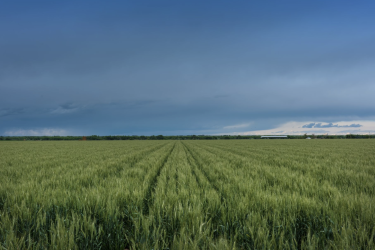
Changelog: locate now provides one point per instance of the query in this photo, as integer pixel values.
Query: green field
(220, 194)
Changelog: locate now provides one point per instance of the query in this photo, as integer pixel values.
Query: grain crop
(186, 194)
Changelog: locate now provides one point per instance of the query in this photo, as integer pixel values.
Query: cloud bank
(299, 128)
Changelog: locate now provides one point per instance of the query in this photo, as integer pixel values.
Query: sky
(187, 67)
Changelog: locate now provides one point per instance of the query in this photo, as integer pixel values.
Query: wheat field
(214, 194)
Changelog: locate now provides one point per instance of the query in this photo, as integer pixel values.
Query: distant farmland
(222, 194)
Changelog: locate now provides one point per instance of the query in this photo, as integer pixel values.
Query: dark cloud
(68, 106)
(10, 112)
(310, 125)
(172, 67)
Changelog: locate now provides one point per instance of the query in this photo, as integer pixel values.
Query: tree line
(173, 137)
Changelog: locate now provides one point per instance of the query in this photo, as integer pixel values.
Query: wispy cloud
(244, 125)
(65, 108)
(37, 132)
(330, 125)
(8, 112)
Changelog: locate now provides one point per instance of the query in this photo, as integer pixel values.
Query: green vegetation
(173, 137)
(203, 194)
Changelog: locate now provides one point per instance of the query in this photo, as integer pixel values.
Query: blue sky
(186, 67)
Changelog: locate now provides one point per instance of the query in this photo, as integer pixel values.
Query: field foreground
(222, 194)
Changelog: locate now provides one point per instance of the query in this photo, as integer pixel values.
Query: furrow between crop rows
(194, 161)
(148, 200)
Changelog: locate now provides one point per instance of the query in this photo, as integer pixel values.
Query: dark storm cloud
(184, 67)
